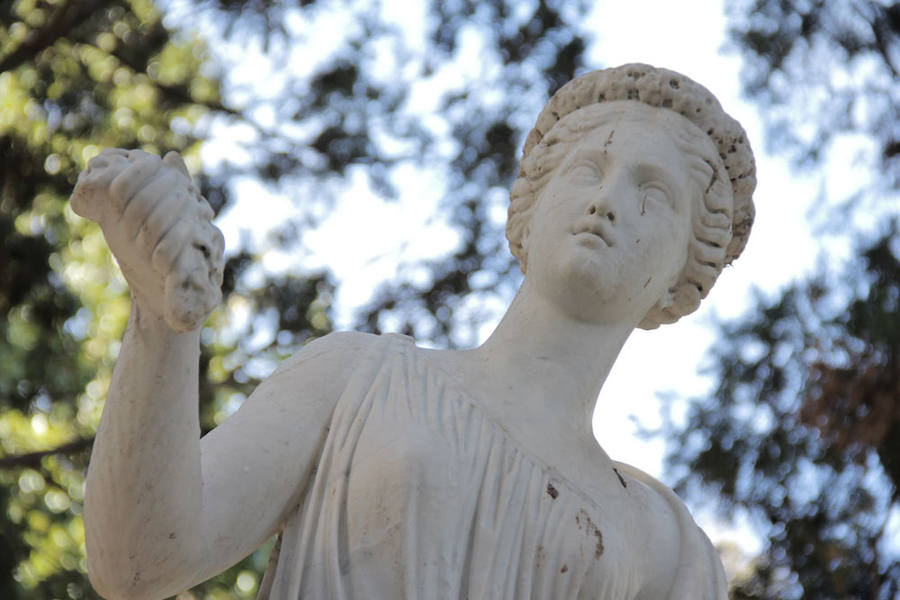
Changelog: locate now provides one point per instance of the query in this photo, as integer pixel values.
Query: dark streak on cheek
(619, 475)
(608, 140)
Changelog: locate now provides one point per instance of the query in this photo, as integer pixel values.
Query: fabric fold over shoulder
(419, 494)
(699, 574)
(280, 575)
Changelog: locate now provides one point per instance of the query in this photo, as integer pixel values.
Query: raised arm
(164, 510)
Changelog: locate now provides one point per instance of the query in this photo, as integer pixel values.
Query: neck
(553, 364)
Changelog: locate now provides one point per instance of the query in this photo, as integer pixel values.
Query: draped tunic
(420, 494)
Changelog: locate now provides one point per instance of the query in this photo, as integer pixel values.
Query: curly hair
(714, 145)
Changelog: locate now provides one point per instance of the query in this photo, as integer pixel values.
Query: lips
(595, 228)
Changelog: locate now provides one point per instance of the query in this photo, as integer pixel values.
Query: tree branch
(33, 459)
(66, 17)
(881, 44)
(881, 32)
(178, 93)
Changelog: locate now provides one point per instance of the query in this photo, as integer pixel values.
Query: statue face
(609, 235)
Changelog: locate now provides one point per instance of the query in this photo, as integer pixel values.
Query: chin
(588, 288)
(600, 289)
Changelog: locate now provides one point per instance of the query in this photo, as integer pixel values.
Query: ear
(526, 233)
(662, 312)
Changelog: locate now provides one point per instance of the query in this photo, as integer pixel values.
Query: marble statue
(392, 471)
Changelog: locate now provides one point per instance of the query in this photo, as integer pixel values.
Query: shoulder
(331, 358)
(319, 371)
(344, 343)
(306, 387)
(682, 563)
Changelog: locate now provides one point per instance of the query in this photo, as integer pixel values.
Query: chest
(433, 477)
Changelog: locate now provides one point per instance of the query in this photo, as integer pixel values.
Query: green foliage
(801, 431)
(360, 106)
(75, 77)
(824, 69)
(80, 75)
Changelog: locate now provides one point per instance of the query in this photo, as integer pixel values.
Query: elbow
(127, 585)
(113, 583)
(113, 569)
(128, 564)
(130, 578)
(116, 588)
(105, 588)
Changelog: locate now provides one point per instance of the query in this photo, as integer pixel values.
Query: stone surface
(159, 229)
(393, 471)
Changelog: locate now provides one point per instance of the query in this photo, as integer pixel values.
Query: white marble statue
(392, 471)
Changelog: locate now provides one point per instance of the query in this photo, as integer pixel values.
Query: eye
(585, 170)
(654, 193)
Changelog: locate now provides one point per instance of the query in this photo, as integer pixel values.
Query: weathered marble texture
(392, 471)
(421, 493)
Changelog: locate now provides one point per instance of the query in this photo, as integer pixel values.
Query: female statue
(392, 471)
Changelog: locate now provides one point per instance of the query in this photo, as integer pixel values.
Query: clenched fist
(160, 230)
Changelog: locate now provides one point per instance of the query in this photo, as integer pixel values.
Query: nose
(604, 203)
(599, 208)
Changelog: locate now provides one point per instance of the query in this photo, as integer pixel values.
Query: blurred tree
(368, 99)
(801, 431)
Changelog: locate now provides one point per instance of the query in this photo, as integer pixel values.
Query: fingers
(106, 165)
(210, 243)
(133, 178)
(174, 160)
(90, 198)
(125, 174)
(171, 245)
(159, 228)
(153, 208)
(193, 285)
(189, 297)
(217, 265)
(189, 230)
(167, 214)
(161, 209)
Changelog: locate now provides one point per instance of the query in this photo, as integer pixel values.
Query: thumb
(174, 160)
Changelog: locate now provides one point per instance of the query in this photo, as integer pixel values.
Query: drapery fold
(419, 494)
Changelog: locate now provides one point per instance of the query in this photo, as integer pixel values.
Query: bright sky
(686, 37)
(687, 40)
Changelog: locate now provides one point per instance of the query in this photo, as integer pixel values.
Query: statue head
(714, 145)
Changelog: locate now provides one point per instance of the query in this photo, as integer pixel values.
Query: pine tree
(801, 430)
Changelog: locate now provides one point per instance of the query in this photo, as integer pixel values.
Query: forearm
(143, 494)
